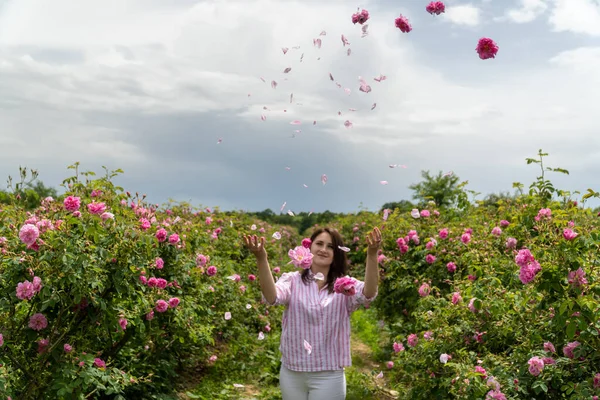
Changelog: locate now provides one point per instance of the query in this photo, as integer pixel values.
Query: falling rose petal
(284, 49)
(339, 113)
(219, 140)
(317, 43)
(307, 347)
(352, 109)
(305, 185)
(296, 47)
(449, 173)
(295, 122)
(237, 385)
(232, 277)
(365, 88)
(348, 124)
(263, 117)
(338, 85)
(311, 211)
(380, 375)
(248, 306)
(415, 213)
(314, 122)
(403, 166)
(298, 131)
(348, 91)
(261, 336)
(227, 316)
(262, 79)
(365, 29)
(349, 51)
(288, 69)
(253, 227)
(331, 76)
(393, 165)
(249, 95)
(380, 78)
(319, 276)
(283, 206)
(266, 108)
(373, 106)
(344, 249)
(291, 97)
(231, 224)
(323, 33)
(302, 57)
(324, 179)
(277, 235)
(384, 182)
(386, 214)
(287, 168)
(345, 41)
(290, 213)
(273, 84)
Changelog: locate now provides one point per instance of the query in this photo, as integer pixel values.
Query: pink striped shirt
(319, 318)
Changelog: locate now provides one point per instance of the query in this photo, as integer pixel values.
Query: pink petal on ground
(288, 69)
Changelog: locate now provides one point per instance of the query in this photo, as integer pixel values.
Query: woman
(315, 338)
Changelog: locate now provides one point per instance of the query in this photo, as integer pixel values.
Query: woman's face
(322, 249)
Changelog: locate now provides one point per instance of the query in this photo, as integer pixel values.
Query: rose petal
(373, 106)
(288, 69)
(384, 182)
(295, 122)
(307, 347)
(273, 84)
(284, 49)
(277, 235)
(290, 213)
(324, 179)
(227, 316)
(345, 249)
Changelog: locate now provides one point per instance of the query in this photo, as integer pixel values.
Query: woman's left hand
(374, 240)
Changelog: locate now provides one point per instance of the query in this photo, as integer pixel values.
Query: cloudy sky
(152, 86)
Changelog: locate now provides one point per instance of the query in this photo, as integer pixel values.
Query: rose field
(103, 295)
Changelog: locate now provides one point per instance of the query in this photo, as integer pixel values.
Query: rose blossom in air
(403, 24)
(486, 48)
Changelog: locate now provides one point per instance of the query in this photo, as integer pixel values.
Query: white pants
(322, 385)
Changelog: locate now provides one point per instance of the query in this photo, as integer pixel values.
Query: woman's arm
(265, 277)
(372, 269)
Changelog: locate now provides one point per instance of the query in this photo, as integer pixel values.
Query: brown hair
(339, 266)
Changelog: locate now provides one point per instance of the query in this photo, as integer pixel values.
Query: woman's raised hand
(255, 245)
(374, 239)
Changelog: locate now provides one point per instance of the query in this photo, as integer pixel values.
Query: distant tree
(444, 190)
(493, 199)
(402, 206)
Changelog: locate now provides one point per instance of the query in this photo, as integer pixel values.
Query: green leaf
(571, 329)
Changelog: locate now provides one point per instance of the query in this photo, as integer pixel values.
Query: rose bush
(103, 294)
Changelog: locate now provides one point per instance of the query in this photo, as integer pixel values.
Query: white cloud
(579, 16)
(465, 14)
(528, 11)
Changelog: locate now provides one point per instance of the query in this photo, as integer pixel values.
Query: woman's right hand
(255, 245)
